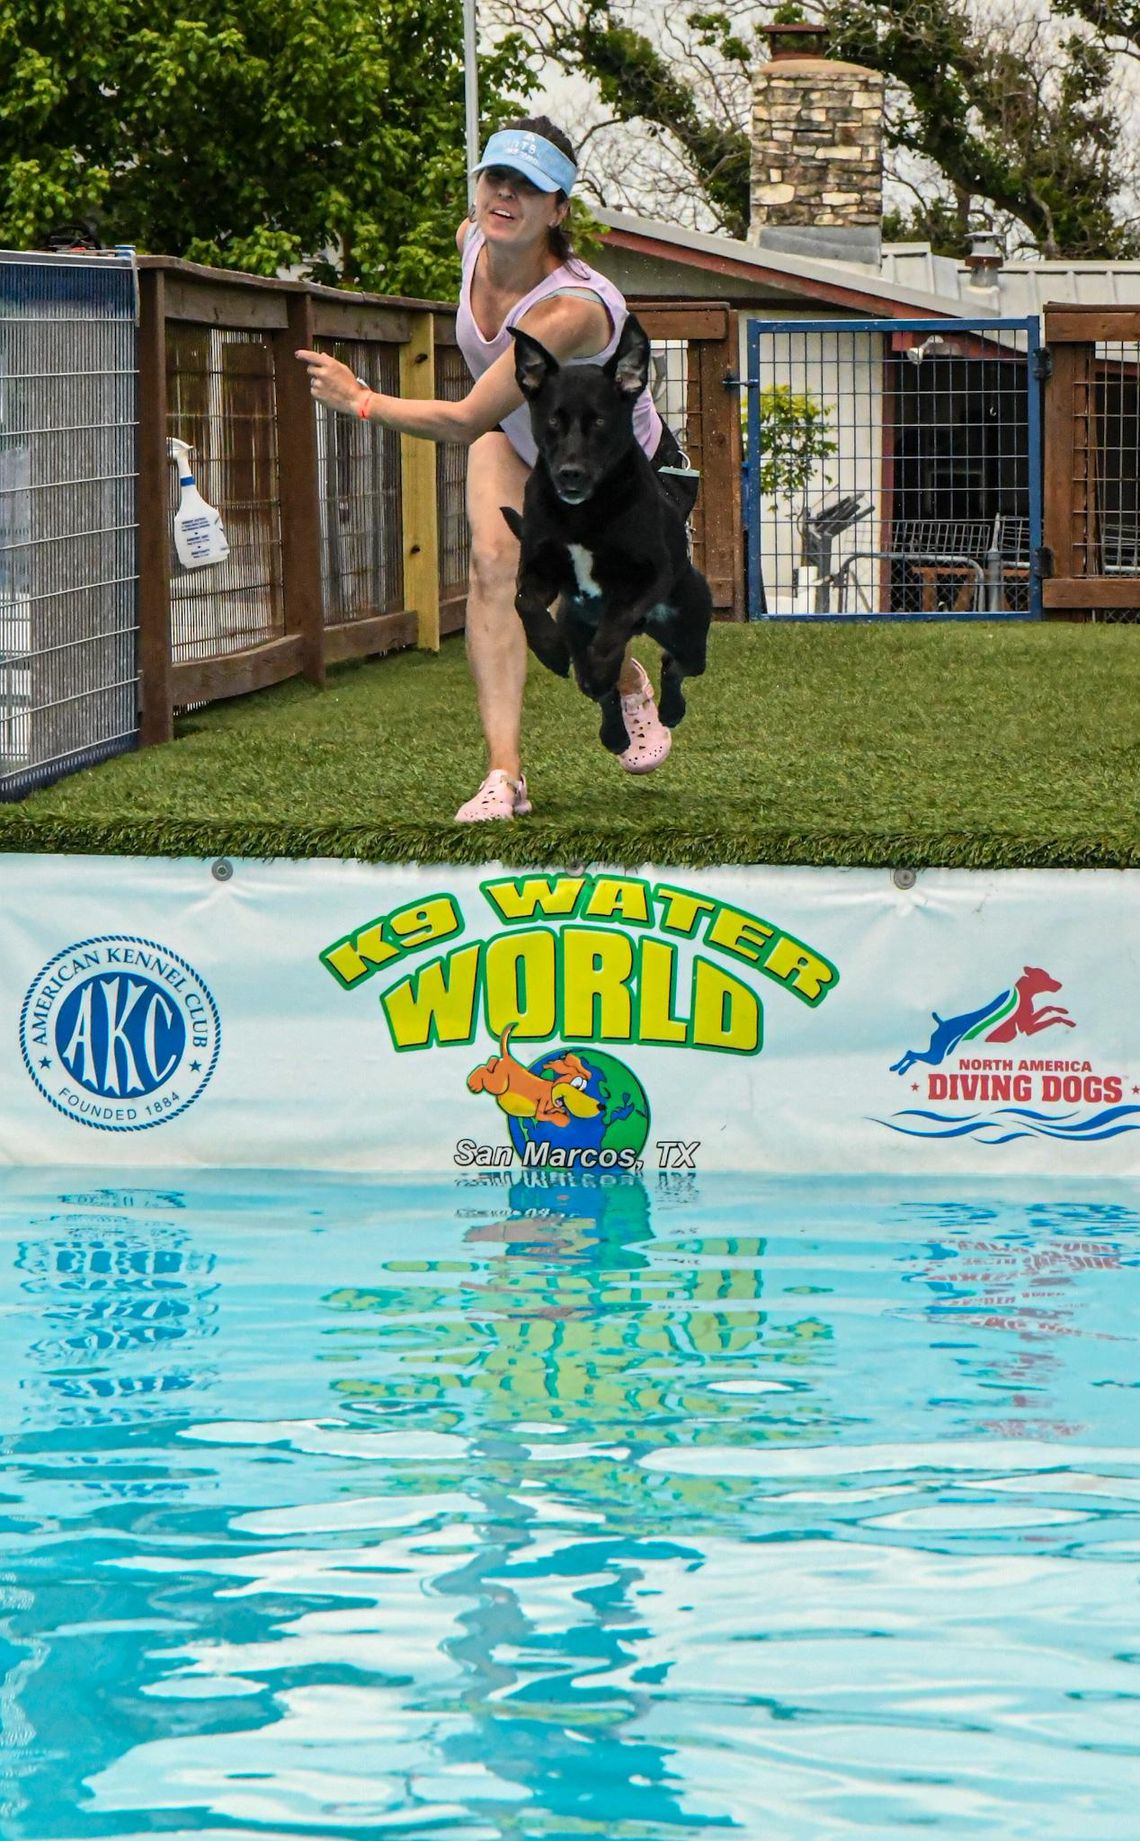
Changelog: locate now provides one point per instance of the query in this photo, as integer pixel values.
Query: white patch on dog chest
(583, 565)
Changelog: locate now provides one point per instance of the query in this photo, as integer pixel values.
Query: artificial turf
(970, 745)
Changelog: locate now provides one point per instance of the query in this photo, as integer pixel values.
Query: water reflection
(122, 1301)
(595, 1507)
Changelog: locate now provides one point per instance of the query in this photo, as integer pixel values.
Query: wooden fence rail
(346, 541)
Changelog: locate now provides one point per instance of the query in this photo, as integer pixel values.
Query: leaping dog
(1014, 1013)
(598, 531)
(524, 1095)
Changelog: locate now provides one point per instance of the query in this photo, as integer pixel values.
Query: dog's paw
(598, 672)
(671, 704)
(613, 733)
(545, 641)
(556, 660)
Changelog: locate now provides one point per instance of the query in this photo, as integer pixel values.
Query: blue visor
(536, 158)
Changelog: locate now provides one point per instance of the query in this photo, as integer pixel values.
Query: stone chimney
(817, 151)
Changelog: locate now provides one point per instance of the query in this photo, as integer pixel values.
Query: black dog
(598, 530)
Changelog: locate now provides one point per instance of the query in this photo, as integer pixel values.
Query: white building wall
(841, 373)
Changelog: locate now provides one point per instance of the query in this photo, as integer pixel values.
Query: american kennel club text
(119, 1033)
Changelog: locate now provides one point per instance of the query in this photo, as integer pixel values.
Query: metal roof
(909, 280)
(1019, 288)
(849, 285)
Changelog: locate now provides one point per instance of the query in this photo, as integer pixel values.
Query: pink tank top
(481, 353)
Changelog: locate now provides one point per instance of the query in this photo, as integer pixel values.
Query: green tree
(250, 134)
(1115, 21)
(794, 437)
(1011, 113)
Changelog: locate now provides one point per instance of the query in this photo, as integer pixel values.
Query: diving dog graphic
(1013, 1012)
(523, 1095)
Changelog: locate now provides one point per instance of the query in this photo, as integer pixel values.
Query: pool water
(639, 1509)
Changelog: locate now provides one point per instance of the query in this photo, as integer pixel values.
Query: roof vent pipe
(984, 256)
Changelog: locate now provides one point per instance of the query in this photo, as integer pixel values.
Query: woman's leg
(496, 643)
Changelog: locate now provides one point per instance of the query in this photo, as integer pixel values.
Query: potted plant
(795, 436)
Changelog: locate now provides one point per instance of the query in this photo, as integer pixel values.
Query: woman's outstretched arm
(567, 326)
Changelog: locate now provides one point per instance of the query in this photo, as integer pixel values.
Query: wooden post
(156, 713)
(1058, 532)
(720, 471)
(297, 473)
(418, 495)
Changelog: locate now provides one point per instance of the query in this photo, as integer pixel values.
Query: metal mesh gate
(893, 469)
(68, 518)
(1110, 536)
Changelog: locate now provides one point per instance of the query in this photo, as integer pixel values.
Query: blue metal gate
(893, 469)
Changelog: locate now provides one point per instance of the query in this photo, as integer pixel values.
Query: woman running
(518, 270)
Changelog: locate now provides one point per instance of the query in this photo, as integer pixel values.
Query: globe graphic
(621, 1122)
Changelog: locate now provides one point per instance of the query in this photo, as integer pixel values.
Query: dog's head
(582, 414)
(567, 1067)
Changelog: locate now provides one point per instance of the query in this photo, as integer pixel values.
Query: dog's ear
(514, 521)
(629, 366)
(533, 363)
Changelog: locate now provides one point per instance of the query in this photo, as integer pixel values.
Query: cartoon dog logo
(1013, 1013)
(552, 1097)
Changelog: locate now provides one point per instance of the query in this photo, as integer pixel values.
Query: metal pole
(471, 90)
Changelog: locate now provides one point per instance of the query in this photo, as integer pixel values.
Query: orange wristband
(364, 406)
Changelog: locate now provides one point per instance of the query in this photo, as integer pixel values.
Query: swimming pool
(522, 1507)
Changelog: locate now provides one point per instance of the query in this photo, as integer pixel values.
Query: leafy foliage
(1020, 120)
(1116, 20)
(794, 438)
(249, 134)
(1010, 112)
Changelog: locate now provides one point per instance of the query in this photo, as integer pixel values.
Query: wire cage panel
(359, 483)
(892, 469)
(1106, 524)
(221, 398)
(68, 515)
(452, 382)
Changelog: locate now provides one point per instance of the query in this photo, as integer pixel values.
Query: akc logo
(119, 1033)
(1015, 1012)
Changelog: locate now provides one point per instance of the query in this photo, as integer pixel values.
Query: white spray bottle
(199, 535)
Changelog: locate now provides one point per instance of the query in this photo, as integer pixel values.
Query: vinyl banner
(395, 1018)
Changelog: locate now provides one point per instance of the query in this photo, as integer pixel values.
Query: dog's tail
(513, 518)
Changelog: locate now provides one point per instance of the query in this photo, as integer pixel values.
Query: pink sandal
(498, 797)
(649, 739)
